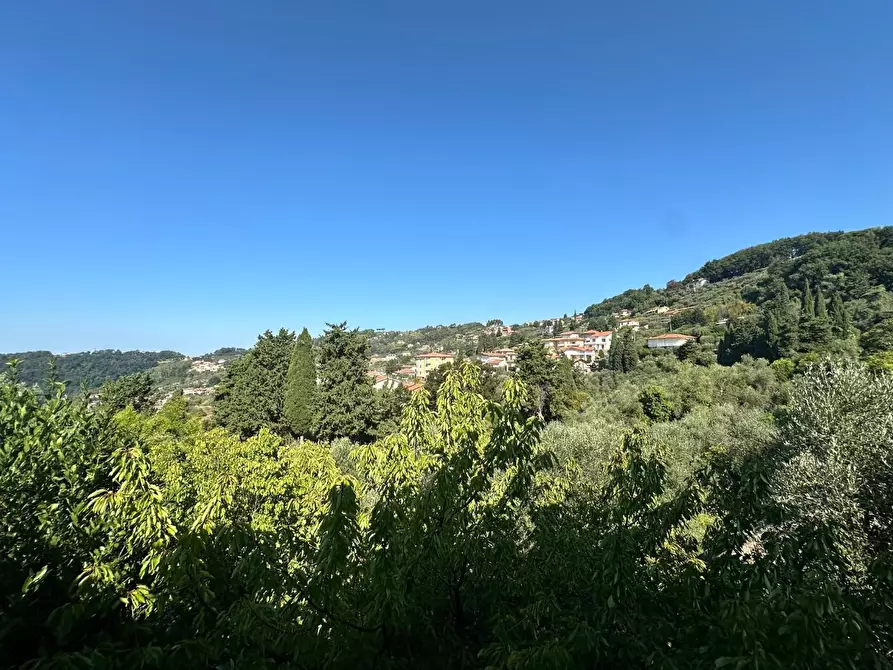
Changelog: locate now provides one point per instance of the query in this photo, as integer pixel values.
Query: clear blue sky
(187, 174)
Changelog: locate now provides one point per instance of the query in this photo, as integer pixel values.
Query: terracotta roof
(671, 336)
(412, 386)
(435, 355)
(599, 333)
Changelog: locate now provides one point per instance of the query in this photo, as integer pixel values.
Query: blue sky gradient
(185, 175)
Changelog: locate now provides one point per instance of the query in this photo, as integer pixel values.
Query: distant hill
(857, 265)
(90, 367)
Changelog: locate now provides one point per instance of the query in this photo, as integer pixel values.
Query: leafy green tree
(131, 390)
(655, 403)
(386, 409)
(783, 369)
(878, 339)
(300, 394)
(343, 405)
(459, 539)
(553, 390)
(251, 394)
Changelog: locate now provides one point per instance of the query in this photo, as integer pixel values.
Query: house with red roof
(668, 341)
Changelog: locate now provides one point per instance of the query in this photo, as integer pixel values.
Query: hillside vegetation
(723, 503)
(90, 368)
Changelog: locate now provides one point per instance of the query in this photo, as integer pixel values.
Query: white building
(668, 341)
(630, 323)
(585, 354)
(599, 340)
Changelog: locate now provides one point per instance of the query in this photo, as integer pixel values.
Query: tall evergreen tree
(840, 318)
(615, 353)
(821, 310)
(773, 334)
(630, 356)
(300, 392)
(343, 406)
(808, 301)
(251, 395)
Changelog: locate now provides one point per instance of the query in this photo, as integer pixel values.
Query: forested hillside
(92, 368)
(851, 264)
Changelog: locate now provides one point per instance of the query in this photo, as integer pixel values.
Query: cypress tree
(773, 335)
(808, 301)
(630, 356)
(300, 390)
(840, 318)
(821, 310)
(614, 353)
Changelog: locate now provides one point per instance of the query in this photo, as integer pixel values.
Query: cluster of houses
(582, 348)
(585, 347)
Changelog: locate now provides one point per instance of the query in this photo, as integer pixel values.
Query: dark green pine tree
(821, 310)
(840, 318)
(343, 406)
(773, 334)
(300, 387)
(723, 350)
(615, 353)
(630, 356)
(815, 328)
(251, 395)
(808, 301)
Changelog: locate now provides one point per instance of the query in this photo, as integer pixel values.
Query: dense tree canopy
(344, 397)
(90, 368)
(251, 395)
(132, 390)
(458, 541)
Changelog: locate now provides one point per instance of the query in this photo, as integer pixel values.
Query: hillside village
(495, 345)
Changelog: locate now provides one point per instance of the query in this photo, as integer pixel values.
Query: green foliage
(808, 306)
(623, 356)
(132, 390)
(91, 369)
(840, 318)
(300, 392)
(743, 337)
(344, 395)
(878, 339)
(552, 385)
(459, 540)
(883, 360)
(490, 381)
(783, 369)
(655, 404)
(251, 394)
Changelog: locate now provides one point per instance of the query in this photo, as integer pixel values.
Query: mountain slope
(90, 367)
